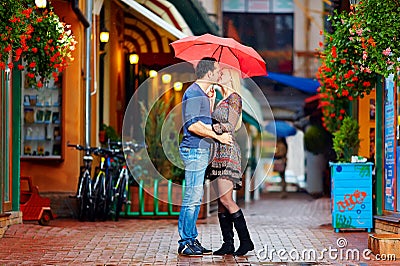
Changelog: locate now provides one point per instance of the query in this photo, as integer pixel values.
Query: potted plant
(317, 143)
(345, 140)
(351, 192)
(163, 184)
(108, 133)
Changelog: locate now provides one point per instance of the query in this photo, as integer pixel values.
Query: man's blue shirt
(195, 107)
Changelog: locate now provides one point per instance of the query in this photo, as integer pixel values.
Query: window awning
(146, 13)
(304, 84)
(195, 16)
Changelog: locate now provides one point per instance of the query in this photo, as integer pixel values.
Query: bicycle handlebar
(87, 150)
(128, 145)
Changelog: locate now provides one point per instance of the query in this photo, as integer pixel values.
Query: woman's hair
(237, 87)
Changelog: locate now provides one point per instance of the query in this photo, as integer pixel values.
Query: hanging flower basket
(38, 37)
(363, 44)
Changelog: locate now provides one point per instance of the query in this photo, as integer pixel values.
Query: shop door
(5, 177)
(396, 182)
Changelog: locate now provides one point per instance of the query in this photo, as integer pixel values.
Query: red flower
(366, 83)
(40, 84)
(8, 48)
(350, 98)
(34, 49)
(18, 52)
(10, 65)
(334, 53)
(32, 65)
(20, 67)
(342, 111)
(31, 75)
(345, 93)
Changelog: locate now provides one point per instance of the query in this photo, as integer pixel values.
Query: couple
(200, 125)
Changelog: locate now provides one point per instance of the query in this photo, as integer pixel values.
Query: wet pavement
(299, 227)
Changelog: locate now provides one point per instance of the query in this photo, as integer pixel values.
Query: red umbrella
(225, 50)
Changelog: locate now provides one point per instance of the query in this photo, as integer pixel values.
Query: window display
(41, 121)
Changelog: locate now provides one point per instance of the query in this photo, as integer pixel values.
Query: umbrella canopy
(280, 128)
(226, 50)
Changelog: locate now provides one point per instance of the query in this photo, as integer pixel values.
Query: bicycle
(122, 184)
(103, 184)
(84, 194)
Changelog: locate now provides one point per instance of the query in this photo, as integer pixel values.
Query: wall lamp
(133, 59)
(153, 73)
(166, 78)
(41, 3)
(178, 86)
(104, 35)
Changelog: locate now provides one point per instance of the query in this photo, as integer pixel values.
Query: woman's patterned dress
(226, 159)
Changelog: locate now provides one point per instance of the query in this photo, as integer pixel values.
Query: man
(195, 152)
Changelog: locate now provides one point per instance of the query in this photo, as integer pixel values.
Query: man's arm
(201, 129)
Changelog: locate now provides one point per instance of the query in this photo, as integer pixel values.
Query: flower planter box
(351, 196)
(385, 245)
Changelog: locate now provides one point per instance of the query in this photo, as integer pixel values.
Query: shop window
(41, 120)
(270, 34)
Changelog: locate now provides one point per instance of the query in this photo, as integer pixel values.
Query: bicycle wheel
(81, 195)
(100, 198)
(86, 202)
(110, 206)
(121, 198)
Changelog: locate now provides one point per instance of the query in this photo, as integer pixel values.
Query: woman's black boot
(246, 244)
(226, 224)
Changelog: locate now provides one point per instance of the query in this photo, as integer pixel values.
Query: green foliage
(111, 133)
(162, 139)
(364, 44)
(345, 141)
(316, 139)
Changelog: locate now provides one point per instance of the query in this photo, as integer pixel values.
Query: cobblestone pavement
(295, 224)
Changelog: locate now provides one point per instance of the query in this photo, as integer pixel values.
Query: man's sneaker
(203, 250)
(189, 250)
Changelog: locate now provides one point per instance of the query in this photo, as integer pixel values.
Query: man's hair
(205, 64)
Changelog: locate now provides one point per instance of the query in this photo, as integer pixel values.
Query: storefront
(388, 157)
(36, 125)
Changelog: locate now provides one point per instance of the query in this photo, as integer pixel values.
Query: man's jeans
(195, 161)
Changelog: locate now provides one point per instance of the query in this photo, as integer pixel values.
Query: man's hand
(225, 138)
(204, 130)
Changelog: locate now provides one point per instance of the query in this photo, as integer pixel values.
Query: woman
(225, 166)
